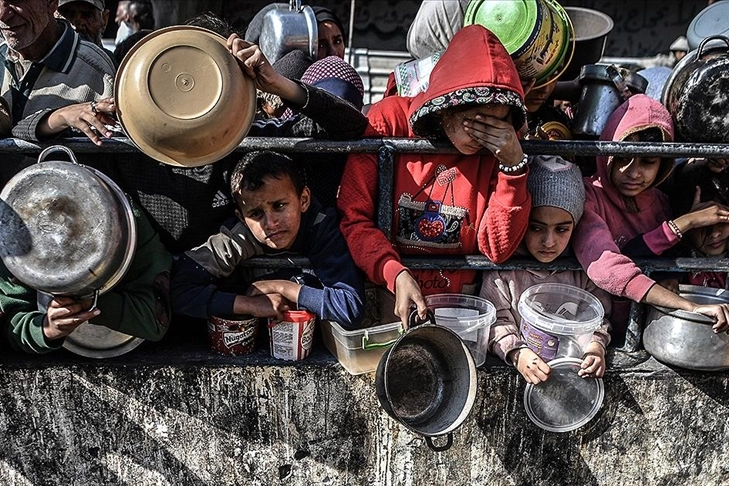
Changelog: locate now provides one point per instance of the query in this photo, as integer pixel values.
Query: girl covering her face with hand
(468, 202)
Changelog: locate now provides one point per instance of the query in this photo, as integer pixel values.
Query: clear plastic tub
(359, 351)
(557, 320)
(469, 316)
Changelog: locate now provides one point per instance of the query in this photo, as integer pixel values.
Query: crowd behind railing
(464, 181)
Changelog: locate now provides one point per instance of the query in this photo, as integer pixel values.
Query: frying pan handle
(57, 148)
(440, 448)
(414, 320)
(700, 54)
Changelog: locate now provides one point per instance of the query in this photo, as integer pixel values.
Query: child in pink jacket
(624, 209)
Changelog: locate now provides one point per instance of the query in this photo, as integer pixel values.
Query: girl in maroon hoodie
(625, 211)
(459, 203)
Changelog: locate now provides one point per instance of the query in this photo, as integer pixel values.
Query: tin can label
(232, 336)
(545, 345)
(291, 339)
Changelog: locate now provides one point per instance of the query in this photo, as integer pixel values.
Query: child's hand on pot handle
(407, 295)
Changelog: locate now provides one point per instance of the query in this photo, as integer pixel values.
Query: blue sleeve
(342, 297)
(194, 291)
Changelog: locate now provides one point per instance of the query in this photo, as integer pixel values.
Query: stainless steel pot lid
(565, 401)
(97, 341)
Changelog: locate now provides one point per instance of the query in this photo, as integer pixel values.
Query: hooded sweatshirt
(444, 204)
(611, 220)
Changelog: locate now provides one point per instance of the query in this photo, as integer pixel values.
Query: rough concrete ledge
(171, 413)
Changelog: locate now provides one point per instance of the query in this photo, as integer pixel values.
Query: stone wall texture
(175, 416)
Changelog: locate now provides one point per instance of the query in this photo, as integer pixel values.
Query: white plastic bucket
(469, 316)
(557, 320)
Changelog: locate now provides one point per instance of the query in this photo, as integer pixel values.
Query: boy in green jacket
(138, 305)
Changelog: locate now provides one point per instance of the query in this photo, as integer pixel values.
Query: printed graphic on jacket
(431, 222)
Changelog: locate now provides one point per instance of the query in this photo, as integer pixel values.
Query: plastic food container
(557, 320)
(566, 401)
(359, 351)
(292, 337)
(469, 316)
(232, 335)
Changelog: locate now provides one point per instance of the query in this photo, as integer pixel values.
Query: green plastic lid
(512, 21)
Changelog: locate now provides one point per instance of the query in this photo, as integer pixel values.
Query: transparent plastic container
(557, 320)
(469, 316)
(359, 351)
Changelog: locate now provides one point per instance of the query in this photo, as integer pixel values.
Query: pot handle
(440, 448)
(57, 148)
(707, 40)
(619, 81)
(414, 320)
(295, 5)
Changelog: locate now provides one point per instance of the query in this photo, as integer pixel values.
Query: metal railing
(386, 148)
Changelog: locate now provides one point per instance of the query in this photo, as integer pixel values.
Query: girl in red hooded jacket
(626, 214)
(445, 204)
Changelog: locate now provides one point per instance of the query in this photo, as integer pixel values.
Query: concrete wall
(168, 414)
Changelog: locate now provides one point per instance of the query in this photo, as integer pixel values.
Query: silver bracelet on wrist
(508, 169)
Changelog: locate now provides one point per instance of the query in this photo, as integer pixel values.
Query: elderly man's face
(22, 22)
(85, 19)
(122, 12)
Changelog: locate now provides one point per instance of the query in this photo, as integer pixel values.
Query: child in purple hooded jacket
(625, 210)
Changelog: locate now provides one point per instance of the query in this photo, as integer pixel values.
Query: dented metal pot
(686, 339)
(427, 381)
(695, 93)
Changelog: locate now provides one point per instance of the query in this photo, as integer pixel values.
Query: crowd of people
(485, 197)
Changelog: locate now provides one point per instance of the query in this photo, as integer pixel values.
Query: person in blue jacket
(276, 215)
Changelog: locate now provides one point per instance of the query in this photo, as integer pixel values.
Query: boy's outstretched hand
(530, 365)
(593, 362)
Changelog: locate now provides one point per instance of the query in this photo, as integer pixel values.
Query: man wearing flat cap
(87, 17)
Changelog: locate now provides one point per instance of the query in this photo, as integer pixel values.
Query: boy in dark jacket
(276, 215)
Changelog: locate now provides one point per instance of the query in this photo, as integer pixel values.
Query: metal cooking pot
(591, 30)
(695, 93)
(284, 31)
(67, 228)
(604, 88)
(685, 339)
(427, 381)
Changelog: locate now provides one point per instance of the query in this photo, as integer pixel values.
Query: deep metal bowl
(685, 339)
(67, 228)
(182, 98)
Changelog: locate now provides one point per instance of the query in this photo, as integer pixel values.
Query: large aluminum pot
(67, 228)
(695, 93)
(685, 339)
(427, 381)
(284, 31)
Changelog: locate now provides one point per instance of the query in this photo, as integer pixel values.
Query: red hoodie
(611, 220)
(445, 204)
